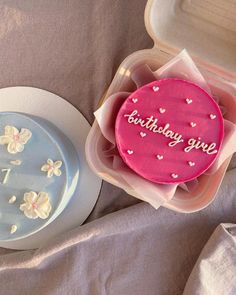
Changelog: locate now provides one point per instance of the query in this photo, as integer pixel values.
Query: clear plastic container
(207, 29)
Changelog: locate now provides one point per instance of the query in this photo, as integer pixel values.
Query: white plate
(70, 121)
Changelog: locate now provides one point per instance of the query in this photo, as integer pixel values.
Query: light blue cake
(39, 173)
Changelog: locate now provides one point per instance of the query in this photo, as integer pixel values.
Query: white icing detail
(142, 134)
(160, 157)
(173, 175)
(192, 124)
(13, 229)
(178, 139)
(16, 162)
(212, 116)
(189, 100)
(191, 164)
(7, 170)
(130, 152)
(155, 88)
(150, 123)
(36, 205)
(52, 168)
(162, 111)
(14, 139)
(206, 148)
(134, 100)
(12, 200)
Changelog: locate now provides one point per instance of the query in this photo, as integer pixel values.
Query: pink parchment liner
(181, 66)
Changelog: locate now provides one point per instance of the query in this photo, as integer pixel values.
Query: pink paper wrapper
(182, 66)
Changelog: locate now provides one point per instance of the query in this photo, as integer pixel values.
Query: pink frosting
(169, 131)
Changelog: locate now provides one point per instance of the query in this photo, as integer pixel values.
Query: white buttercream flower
(36, 205)
(52, 168)
(14, 139)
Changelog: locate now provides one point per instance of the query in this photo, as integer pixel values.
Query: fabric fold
(214, 272)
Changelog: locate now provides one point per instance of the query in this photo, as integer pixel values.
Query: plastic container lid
(206, 28)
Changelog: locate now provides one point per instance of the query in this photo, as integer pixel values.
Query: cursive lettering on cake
(151, 123)
(197, 144)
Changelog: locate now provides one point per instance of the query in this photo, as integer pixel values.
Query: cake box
(207, 30)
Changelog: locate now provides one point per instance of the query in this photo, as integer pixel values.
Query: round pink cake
(169, 131)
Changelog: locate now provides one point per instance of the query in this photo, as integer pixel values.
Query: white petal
(25, 135)
(45, 168)
(57, 172)
(50, 173)
(42, 215)
(43, 205)
(42, 198)
(57, 164)
(44, 210)
(50, 162)
(30, 197)
(19, 147)
(31, 213)
(22, 207)
(11, 148)
(11, 131)
(5, 139)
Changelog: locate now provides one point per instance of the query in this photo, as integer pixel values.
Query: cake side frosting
(29, 198)
(169, 131)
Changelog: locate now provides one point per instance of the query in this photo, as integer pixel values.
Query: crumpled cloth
(215, 270)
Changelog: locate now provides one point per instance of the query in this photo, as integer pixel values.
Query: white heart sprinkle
(189, 100)
(191, 163)
(192, 124)
(160, 157)
(155, 88)
(212, 116)
(142, 134)
(162, 111)
(134, 100)
(173, 175)
(130, 152)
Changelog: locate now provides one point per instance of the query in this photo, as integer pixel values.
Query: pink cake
(169, 131)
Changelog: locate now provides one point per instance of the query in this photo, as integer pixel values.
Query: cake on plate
(38, 174)
(169, 131)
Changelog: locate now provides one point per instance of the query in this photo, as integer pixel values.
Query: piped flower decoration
(52, 168)
(15, 139)
(36, 205)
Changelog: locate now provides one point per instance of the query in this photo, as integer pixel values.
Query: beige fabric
(73, 49)
(215, 270)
